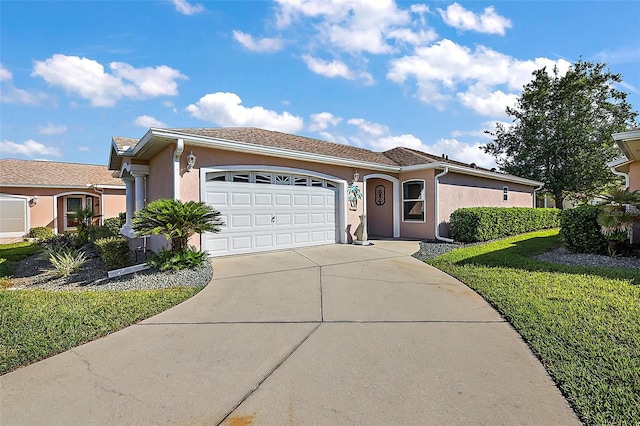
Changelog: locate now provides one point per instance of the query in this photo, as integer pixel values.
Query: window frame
(505, 194)
(423, 199)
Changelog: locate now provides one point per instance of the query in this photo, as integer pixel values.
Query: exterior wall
(43, 213)
(379, 217)
(113, 203)
(634, 176)
(458, 190)
(421, 230)
(160, 179)
(207, 157)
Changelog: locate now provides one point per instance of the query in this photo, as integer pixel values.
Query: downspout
(535, 196)
(437, 207)
(176, 168)
(625, 175)
(100, 191)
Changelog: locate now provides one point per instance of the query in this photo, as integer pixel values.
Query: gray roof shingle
(50, 173)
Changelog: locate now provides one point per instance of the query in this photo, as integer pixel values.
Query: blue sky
(375, 74)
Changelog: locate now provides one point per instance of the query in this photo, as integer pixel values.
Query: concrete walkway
(329, 335)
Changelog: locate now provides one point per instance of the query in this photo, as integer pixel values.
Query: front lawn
(10, 254)
(36, 324)
(583, 323)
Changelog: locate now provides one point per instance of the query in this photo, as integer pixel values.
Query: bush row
(472, 224)
(114, 251)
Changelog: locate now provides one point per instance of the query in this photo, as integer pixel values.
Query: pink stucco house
(277, 190)
(40, 193)
(629, 165)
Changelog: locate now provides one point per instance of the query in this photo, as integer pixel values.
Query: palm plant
(619, 214)
(176, 220)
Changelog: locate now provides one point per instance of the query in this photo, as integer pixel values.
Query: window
(241, 178)
(300, 181)
(283, 180)
(505, 193)
(216, 177)
(263, 178)
(413, 201)
(73, 204)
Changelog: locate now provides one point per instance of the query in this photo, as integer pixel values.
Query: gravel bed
(36, 273)
(430, 250)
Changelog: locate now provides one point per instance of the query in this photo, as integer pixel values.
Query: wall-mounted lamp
(34, 200)
(191, 161)
(356, 176)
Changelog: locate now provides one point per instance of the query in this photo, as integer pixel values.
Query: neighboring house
(40, 193)
(277, 190)
(629, 165)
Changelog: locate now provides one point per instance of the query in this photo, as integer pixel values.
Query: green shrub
(473, 224)
(40, 232)
(580, 231)
(103, 231)
(114, 251)
(178, 259)
(115, 224)
(67, 262)
(67, 240)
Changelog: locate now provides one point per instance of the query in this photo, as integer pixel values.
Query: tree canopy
(561, 131)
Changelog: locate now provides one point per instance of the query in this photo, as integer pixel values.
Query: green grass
(582, 322)
(36, 324)
(10, 254)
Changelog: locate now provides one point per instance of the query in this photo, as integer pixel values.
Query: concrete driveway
(329, 335)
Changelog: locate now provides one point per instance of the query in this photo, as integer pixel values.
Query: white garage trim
(256, 173)
(20, 207)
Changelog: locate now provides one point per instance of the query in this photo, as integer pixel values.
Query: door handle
(273, 219)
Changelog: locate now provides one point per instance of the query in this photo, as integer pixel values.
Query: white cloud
(226, 109)
(460, 18)
(356, 26)
(5, 74)
(30, 148)
(445, 68)
(87, 79)
(464, 152)
(322, 120)
(148, 121)
(184, 7)
(334, 69)
(263, 45)
(12, 95)
(484, 102)
(52, 129)
(84, 149)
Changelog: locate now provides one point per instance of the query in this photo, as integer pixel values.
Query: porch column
(130, 200)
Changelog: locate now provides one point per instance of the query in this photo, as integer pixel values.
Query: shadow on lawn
(519, 255)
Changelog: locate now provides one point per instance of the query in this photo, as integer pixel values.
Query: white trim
(12, 185)
(27, 216)
(341, 189)
(473, 172)
(424, 201)
(436, 201)
(396, 198)
(64, 207)
(176, 168)
(626, 136)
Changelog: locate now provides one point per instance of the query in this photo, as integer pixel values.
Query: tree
(561, 132)
(176, 220)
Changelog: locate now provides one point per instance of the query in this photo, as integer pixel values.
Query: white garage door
(13, 216)
(268, 211)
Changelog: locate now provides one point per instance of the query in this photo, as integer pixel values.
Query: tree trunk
(557, 196)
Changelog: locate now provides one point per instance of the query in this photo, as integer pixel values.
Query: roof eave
(474, 172)
(248, 148)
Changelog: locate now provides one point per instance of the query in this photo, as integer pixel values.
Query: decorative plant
(176, 220)
(355, 194)
(85, 217)
(618, 215)
(67, 262)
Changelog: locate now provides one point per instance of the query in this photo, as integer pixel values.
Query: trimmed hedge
(114, 251)
(580, 231)
(40, 232)
(472, 224)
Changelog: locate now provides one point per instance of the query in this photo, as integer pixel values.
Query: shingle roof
(291, 142)
(124, 143)
(410, 157)
(50, 173)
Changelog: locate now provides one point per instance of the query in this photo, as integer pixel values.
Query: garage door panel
(262, 220)
(241, 199)
(261, 217)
